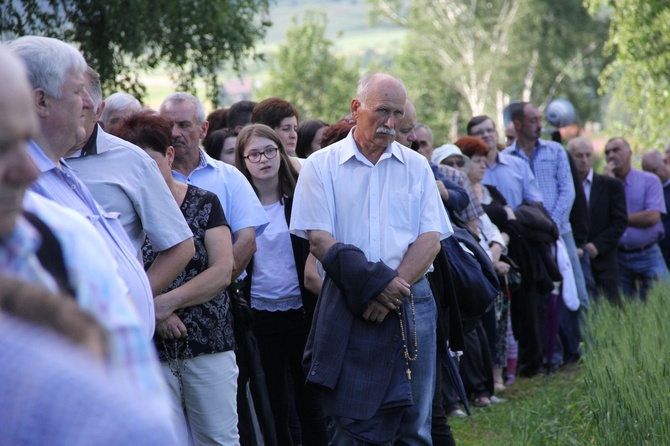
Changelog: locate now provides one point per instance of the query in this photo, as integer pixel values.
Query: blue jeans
(648, 266)
(415, 424)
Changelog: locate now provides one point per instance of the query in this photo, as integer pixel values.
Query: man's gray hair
(48, 62)
(366, 82)
(119, 101)
(94, 87)
(580, 141)
(421, 125)
(179, 97)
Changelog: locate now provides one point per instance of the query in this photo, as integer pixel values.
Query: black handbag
(513, 276)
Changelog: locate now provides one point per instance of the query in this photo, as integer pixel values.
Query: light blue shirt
(100, 291)
(240, 203)
(380, 208)
(550, 165)
(587, 184)
(61, 185)
(513, 179)
(124, 179)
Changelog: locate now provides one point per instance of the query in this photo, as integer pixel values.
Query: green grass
(619, 395)
(538, 411)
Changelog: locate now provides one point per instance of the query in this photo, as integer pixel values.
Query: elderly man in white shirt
(373, 193)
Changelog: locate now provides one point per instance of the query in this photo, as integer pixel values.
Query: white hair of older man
(48, 61)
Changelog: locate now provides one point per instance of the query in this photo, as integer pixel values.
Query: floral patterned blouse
(209, 325)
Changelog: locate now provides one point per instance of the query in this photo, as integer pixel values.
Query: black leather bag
(513, 277)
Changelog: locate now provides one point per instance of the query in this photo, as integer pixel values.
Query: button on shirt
(551, 168)
(514, 179)
(380, 208)
(644, 192)
(61, 185)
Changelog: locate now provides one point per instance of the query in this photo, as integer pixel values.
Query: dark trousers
(281, 339)
(440, 431)
(476, 364)
(530, 333)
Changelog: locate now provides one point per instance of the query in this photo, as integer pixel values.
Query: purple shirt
(644, 192)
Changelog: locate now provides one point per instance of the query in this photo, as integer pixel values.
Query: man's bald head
(405, 133)
(581, 150)
(18, 124)
(653, 161)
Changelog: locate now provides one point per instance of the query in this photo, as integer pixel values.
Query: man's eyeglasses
(454, 163)
(255, 157)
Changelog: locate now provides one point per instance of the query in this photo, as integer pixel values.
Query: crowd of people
(245, 277)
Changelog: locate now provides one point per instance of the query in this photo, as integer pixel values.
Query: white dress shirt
(380, 208)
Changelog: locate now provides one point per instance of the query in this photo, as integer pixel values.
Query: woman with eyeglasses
(281, 304)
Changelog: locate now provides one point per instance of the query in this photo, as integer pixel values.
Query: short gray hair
(47, 61)
(421, 125)
(179, 97)
(119, 101)
(366, 82)
(94, 88)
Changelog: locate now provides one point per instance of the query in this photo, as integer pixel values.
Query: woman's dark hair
(287, 174)
(214, 142)
(471, 146)
(272, 111)
(147, 130)
(337, 131)
(306, 132)
(218, 119)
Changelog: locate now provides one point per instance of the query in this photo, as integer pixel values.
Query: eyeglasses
(457, 163)
(255, 157)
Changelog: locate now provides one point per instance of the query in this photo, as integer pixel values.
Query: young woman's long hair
(287, 174)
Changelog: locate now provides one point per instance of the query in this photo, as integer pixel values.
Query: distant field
(347, 26)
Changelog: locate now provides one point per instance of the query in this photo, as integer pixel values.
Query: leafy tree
(638, 75)
(118, 39)
(307, 72)
(491, 51)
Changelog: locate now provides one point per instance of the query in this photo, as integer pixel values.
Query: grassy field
(541, 411)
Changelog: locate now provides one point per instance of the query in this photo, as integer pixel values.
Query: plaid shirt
(474, 209)
(551, 168)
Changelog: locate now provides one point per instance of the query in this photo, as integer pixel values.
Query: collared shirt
(587, 184)
(124, 179)
(61, 185)
(18, 258)
(100, 291)
(380, 208)
(551, 168)
(474, 209)
(644, 192)
(514, 179)
(240, 203)
(52, 392)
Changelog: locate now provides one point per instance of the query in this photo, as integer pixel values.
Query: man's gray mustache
(386, 131)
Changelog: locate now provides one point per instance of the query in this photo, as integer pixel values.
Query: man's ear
(355, 107)
(41, 101)
(99, 112)
(203, 129)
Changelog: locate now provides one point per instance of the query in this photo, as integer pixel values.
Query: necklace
(177, 366)
(408, 357)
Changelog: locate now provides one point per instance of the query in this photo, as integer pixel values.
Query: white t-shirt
(274, 284)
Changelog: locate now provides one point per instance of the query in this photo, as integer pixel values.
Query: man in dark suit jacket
(608, 219)
(653, 161)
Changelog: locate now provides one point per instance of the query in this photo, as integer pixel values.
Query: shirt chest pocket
(404, 209)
